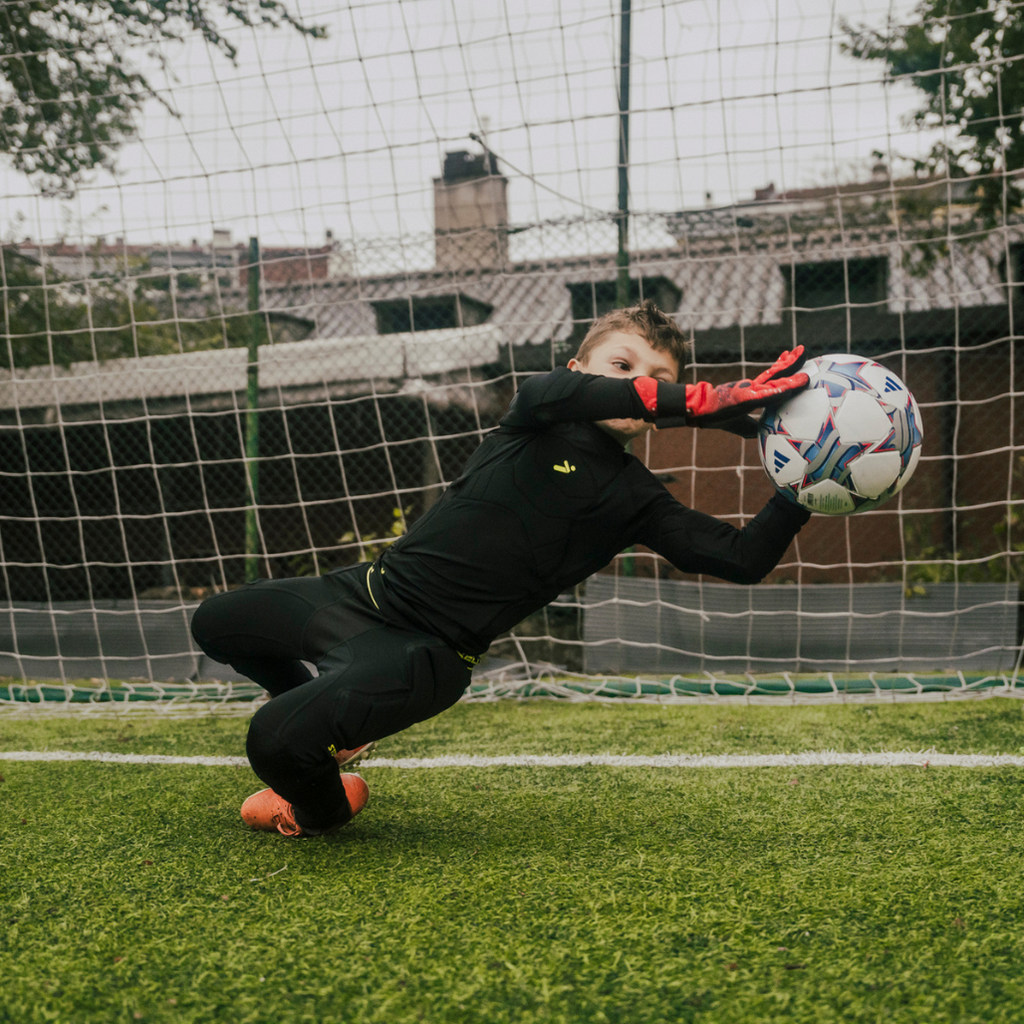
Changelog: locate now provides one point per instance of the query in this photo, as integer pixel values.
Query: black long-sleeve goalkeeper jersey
(548, 499)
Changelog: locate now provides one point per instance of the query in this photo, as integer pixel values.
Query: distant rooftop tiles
(721, 285)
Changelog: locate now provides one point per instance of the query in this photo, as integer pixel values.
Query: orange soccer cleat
(344, 757)
(266, 811)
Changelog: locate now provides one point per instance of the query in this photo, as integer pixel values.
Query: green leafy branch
(72, 94)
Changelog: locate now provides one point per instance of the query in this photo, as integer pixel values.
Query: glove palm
(726, 406)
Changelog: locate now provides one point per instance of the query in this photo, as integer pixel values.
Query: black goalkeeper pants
(376, 677)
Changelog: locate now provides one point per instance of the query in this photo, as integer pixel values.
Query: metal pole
(622, 297)
(252, 423)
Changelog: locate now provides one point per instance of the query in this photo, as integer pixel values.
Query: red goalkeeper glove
(708, 405)
(726, 405)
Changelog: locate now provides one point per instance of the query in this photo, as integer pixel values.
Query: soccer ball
(847, 443)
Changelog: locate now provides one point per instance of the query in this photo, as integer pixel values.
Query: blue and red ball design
(848, 443)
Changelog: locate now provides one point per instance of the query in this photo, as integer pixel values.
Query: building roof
(312, 366)
(734, 279)
(724, 282)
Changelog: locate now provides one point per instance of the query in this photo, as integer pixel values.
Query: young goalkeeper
(550, 497)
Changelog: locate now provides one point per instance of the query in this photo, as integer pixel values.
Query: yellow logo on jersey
(564, 467)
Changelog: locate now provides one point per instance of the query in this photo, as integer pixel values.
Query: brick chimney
(470, 213)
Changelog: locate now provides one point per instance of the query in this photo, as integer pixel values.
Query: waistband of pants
(375, 588)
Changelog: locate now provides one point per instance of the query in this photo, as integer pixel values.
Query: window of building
(288, 327)
(837, 282)
(429, 313)
(591, 299)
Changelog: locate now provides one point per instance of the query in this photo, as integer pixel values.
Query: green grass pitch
(492, 895)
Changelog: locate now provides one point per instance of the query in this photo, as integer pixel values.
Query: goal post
(137, 370)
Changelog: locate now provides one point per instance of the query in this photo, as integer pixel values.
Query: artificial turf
(508, 894)
(556, 727)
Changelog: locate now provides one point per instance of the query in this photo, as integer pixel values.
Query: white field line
(810, 758)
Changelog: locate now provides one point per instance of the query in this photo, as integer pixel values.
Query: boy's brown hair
(646, 320)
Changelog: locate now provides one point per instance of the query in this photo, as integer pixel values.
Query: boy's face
(627, 355)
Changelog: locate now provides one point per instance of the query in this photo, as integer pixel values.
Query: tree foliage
(70, 91)
(967, 57)
(48, 320)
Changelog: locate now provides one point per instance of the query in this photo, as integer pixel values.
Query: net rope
(432, 198)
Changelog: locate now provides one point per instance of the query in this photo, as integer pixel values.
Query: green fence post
(252, 422)
(622, 256)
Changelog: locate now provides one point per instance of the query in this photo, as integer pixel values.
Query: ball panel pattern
(848, 443)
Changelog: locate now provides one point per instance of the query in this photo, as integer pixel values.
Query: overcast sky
(346, 133)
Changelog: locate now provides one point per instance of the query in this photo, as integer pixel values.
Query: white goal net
(265, 330)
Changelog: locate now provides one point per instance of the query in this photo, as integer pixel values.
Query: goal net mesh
(266, 343)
